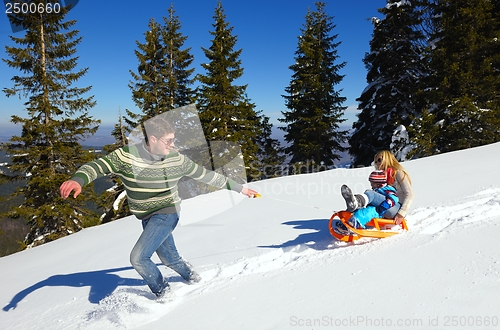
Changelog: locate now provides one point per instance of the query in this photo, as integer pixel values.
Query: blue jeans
(157, 236)
(375, 199)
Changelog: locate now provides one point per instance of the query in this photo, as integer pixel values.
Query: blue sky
(267, 32)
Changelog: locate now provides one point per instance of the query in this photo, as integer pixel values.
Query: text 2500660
(32, 8)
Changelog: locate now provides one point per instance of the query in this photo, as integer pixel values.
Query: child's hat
(378, 176)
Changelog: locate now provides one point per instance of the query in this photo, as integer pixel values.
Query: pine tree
(163, 78)
(423, 131)
(48, 149)
(463, 89)
(148, 90)
(395, 67)
(226, 113)
(315, 107)
(179, 75)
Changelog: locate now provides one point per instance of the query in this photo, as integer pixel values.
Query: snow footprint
(266, 262)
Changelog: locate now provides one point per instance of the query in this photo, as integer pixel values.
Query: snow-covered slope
(270, 263)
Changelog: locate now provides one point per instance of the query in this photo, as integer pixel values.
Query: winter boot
(362, 200)
(353, 202)
(186, 270)
(353, 222)
(193, 277)
(189, 274)
(341, 229)
(164, 293)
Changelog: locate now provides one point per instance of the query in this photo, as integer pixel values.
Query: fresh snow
(271, 263)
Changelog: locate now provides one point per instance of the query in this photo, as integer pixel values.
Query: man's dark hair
(158, 127)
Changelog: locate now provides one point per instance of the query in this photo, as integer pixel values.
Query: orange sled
(379, 229)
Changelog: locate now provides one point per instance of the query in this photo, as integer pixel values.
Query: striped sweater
(150, 180)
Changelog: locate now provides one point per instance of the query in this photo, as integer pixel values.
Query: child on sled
(381, 201)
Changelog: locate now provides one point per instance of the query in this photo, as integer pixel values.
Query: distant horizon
(103, 135)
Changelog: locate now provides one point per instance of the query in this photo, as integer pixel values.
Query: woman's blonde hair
(387, 160)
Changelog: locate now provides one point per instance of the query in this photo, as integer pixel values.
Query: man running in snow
(150, 172)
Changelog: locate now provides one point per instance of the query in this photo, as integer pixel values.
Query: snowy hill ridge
(271, 263)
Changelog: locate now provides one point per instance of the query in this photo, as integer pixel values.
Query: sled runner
(378, 230)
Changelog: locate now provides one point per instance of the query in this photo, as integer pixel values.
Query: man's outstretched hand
(249, 192)
(68, 186)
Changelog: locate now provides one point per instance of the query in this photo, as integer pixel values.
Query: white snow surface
(271, 263)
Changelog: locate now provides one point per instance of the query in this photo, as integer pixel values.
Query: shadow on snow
(101, 282)
(319, 239)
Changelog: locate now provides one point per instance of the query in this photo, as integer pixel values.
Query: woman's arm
(405, 193)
